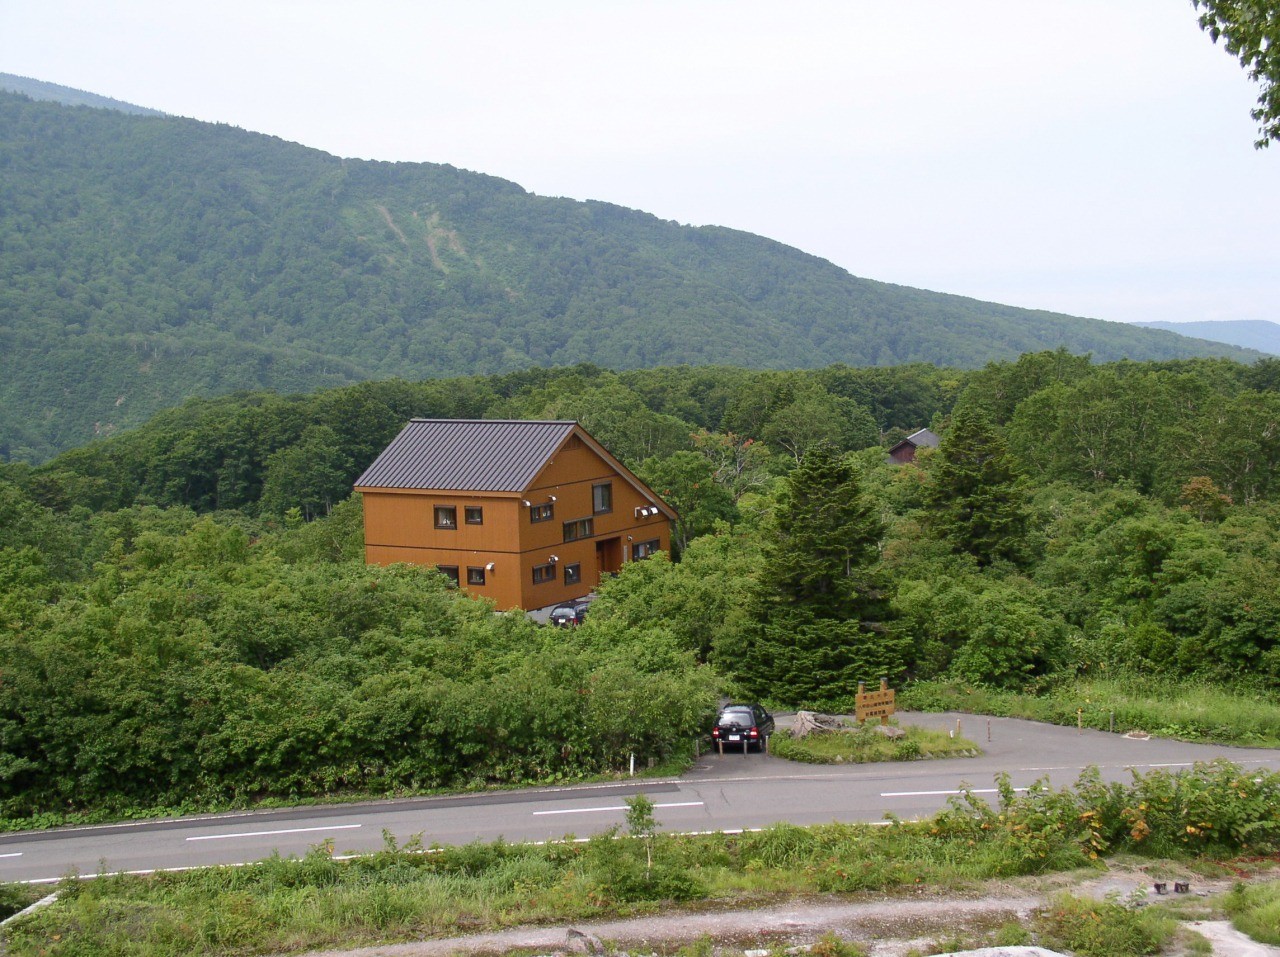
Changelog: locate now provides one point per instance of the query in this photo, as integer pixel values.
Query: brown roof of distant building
(481, 455)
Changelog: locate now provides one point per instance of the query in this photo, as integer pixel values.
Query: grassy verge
(1256, 911)
(865, 744)
(401, 893)
(1193, 712)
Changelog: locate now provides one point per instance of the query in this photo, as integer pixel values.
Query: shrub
(1103, 928)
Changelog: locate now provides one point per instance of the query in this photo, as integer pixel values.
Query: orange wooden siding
(400, 527)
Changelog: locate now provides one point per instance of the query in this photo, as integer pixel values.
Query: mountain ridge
(146, 259)
(1260, 334)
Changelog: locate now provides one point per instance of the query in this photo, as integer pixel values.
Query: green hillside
(145, 259)
(1256, 334)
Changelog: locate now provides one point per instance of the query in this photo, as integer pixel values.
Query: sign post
(874, 704)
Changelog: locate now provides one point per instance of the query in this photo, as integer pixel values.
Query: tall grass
(1180, 709)
(1256, 911)
(397, 894)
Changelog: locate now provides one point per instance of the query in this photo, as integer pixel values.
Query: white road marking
(618, 807)
(290, 830)
(18, 854)
(900, 794)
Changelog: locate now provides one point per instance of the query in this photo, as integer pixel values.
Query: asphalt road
(725, 793)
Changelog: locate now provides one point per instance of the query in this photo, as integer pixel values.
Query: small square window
(475, 576)
(543, 574)
(542, 513)
(474, 515)
(572, 573)
(602, 497)
(582, 528)
(450, 572)
(446, 516)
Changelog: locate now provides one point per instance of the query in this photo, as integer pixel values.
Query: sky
(1093, 157)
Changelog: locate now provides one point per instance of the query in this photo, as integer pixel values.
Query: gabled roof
(483, 455)
(479, 455)
(923, 438)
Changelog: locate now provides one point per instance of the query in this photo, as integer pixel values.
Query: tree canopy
(1250, 32)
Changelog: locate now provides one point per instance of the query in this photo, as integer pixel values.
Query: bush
(1103, 928)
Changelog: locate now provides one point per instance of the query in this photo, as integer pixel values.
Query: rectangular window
(542, 513)
(572, 574)
(644, 549)
(474, 515)
(602, 497)
(543, 574)
(475, 576)
(582, 528)
(446, 516)
(450, 572)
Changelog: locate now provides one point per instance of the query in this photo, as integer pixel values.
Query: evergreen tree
(821, 603)
(975, 499)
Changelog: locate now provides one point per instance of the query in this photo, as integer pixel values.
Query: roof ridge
(500, 421)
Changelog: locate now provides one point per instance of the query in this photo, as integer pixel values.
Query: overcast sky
(1093, 157)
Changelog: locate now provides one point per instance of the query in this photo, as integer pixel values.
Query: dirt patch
(888, 925)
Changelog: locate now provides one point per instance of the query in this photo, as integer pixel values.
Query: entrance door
(608, 556)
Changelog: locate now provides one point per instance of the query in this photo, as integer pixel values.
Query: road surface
(724, 793)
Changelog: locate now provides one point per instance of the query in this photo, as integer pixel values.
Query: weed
(1103, 928)
(832, 945)
(1012, 934)
(1255, 910)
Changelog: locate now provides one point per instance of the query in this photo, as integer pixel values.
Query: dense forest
(187, 620)
(146, 259)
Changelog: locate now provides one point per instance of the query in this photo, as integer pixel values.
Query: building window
(475, 576)
(446, 517)
(450, 572)
(572, 573)
(644, 549)
(602, 497)
(474, 515)
(542, 513)
(543, 574)
(582, 528)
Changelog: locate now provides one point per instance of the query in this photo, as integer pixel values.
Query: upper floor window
(542, 513)
(474, 515)
(602, 497)
(446, 516)
(582, 528)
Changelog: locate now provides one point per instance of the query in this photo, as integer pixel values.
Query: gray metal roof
(479, 455)
(925, 438)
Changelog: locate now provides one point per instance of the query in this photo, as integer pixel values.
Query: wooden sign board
(875, 704)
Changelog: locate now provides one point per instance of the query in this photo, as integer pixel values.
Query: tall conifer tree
(822, 603)
(975, 498)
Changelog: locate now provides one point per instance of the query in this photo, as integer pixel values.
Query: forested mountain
(146, 259)
(1247, 333)
(68, 96)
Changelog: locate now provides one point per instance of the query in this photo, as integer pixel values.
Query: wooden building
(529, 514)
(905, 451)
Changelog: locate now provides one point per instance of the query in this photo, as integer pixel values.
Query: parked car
(565, 616)
(738, 724)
